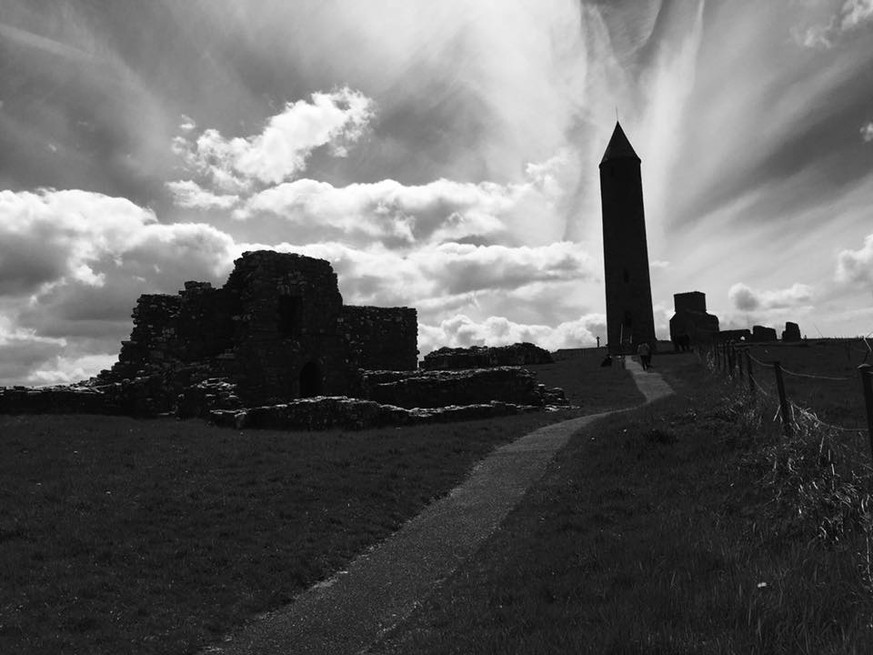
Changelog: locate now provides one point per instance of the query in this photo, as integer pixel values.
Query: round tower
(629, 317)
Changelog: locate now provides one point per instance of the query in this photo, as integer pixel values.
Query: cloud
(462, 331)
(433, 277)
(856, 13)
(191, 195)
(867, 132)
(851, 16)
(747, 299)
(402, 215)
(66, 370)
(281, 150)
(856, 266)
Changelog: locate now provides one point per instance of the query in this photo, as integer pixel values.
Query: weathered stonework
(465, 387)
(324, 413)
(381, 337)
(691, 324)
(518, 354)
(791, 332)
(277, 330)
(763, 334)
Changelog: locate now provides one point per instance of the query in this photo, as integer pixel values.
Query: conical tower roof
(619, 147)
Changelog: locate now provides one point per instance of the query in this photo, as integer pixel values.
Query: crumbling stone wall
(381, 337)
(464, 387)
(791, 332)
(517, 354)
(277, 330)
(288, 341)
(761, 333)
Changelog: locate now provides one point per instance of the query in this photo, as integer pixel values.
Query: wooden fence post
(783, 401)
(751, 377)
(867, 383)
(740, 363)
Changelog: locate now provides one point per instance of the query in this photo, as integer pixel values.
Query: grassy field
(125, 536)
(688, 526)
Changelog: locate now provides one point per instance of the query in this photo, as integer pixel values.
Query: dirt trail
(381, 587)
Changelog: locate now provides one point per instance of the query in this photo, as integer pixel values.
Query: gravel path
(385, 584)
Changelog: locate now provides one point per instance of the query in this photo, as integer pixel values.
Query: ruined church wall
(381, 338)
(290, 306)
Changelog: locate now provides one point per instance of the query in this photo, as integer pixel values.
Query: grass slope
(688, 526)
(125, 536)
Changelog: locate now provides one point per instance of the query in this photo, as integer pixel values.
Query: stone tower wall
(625, 254)
(289, 320)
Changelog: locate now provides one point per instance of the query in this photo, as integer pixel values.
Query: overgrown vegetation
(688, 526)
(125, 536)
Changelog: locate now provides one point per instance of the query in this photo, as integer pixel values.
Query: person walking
(645, 353)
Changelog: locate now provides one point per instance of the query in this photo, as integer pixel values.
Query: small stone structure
(761, 334)
(517, 354)
(691, 324)
(791, 332)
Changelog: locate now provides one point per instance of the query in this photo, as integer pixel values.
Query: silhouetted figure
(645, 353)
(607, 361)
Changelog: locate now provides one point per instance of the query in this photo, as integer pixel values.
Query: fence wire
(805, 413)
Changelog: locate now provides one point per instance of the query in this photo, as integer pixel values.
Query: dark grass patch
(650, 534)
(836, 401)
(119, 535)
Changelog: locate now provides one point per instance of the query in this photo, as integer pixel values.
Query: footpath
(350, 611)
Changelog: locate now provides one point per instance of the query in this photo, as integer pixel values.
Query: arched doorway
(310, 380)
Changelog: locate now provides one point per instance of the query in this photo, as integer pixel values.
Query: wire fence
(739, 364)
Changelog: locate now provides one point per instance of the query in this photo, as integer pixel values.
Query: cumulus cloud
(462, 331)
(746, 299)
(72, 264)
(856, 266)
(849, 17)
(867, 132)
(280, 151)
(66, 370)
(401, 215)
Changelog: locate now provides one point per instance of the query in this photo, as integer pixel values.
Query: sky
(441, 155)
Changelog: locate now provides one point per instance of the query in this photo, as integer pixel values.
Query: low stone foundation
(391, 398)
(518, 354)
(465, 387)
(328, 412)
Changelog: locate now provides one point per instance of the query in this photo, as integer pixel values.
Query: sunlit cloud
(867, 132)
(280, 151)
(462, 331)
(746, 299)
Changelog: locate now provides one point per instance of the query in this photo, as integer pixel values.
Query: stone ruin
(276, 333)
(691, 324)
(791, 332)
(762, 334)
(517, 354)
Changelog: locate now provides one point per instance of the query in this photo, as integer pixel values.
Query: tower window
(626, 275)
